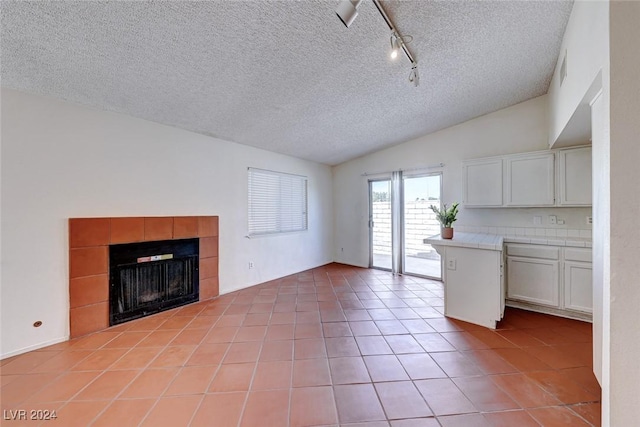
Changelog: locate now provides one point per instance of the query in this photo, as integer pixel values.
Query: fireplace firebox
(149, 277)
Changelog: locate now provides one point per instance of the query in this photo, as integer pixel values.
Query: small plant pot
(446, 232)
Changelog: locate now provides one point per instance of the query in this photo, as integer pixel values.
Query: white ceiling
(282, 75)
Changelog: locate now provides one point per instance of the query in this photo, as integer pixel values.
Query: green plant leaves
(446, 216)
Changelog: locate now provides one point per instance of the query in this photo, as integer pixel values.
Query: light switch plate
(537, 220)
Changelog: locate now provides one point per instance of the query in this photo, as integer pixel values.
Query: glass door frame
(397, 217)
(371, 223)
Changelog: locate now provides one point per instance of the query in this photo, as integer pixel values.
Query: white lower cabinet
(559, 279)
(533, 280)
(578, 288)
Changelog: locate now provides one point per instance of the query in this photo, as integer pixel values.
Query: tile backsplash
(525, 231)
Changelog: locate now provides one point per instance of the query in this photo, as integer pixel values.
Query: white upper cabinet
(529, 179)
(541, 178)
(483, 182)
(574, 177)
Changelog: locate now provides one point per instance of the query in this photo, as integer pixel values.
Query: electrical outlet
(451, 264)
(553, 220)
(250, 264)
(589, 220)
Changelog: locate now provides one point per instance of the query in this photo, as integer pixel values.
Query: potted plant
(446, 217)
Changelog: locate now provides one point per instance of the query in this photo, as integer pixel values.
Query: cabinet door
(578, 288)
(574, 177)
(530, 180)
(482, 182)
(533, 280)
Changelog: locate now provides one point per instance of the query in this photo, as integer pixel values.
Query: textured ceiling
(282, 75)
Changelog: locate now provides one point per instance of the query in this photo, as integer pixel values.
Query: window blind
(277, 202)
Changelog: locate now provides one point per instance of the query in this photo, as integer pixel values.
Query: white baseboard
(33, 347)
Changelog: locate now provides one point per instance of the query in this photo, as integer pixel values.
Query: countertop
(495, 242)
(491, 242)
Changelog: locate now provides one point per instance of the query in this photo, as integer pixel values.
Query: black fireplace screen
(150, 277)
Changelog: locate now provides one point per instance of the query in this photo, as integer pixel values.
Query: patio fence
(420, 222)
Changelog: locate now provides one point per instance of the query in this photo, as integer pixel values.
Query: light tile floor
(429, 267)
(336, 345)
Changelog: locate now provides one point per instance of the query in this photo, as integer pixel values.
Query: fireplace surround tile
(127, 230)
(88, 290)
(89, 240)
(89, 318)
(185, 227)
(88, 261)
(158, 228)
(89, 232)
(208, 247)
(208, 267)
(208, 226)
(209, 288)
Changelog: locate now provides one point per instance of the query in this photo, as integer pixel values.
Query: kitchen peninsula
(473, 277)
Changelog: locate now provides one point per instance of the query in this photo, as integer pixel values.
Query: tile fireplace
(91, 247)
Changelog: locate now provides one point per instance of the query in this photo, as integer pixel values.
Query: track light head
(395, 45)
(347, 11)
(414, 77)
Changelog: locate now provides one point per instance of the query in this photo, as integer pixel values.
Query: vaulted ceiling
(286, 76)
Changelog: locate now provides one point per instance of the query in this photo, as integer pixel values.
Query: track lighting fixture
(348, 10)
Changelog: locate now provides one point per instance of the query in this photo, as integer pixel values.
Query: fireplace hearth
(149, 277)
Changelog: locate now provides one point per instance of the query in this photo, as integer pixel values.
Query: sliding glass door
(420, 192)
(399, 219)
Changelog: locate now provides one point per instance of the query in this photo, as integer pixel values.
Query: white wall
(625, 211)
(586, 45)
(516, 129)
(60, 160)
(585, 42)
(601, 239)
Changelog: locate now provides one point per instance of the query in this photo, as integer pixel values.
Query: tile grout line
(345, 286)
(217, 370)
(333, 391)
(255, 369)
(140, 369)
(157, 399)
